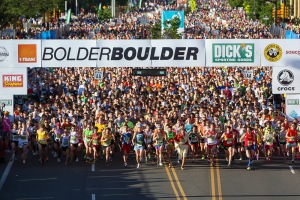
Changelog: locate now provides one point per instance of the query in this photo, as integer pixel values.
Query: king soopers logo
(3, 54)
(285, 77)
(273, 52)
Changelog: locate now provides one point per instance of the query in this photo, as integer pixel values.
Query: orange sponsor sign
(12, 80)
(27, 53)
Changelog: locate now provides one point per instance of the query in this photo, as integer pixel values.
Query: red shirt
(249, 139)
(291, 133)
(228, 142)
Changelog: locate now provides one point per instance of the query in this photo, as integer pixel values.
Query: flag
(100, 6)
(68, 16)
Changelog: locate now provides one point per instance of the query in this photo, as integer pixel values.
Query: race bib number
(250, 143)
(229, 141)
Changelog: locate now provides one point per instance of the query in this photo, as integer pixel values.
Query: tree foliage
(171, 29)
(155, 30)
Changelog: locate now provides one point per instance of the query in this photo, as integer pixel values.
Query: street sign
(98, 75)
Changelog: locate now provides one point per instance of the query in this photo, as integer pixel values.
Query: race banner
(169, 15)
(292, 102)
(8, 101)
(69, 53)
(232, 52)
(248, 74)
(125, 53)
(20, 53)
(280, 52)
(285, 81)
(179, 53)
(13, 81)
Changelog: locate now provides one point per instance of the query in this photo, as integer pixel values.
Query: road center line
(292, 169)
(212, 180)
(6, 172)
(93, 167)
(179, 184)
(93, 197)
(219, 181)
(172, 183)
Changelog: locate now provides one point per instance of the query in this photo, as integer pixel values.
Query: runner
(211, 140)
(74, 140)
(228, 141)
(170, 144)
(14, 141)
(282, 141)
(149, 146)
(65, 144)
(250, 142)
(159, 137)
(56, 135)
(126, 138)
(268, 139)
(194, 142)
(87, 135)
(291, 138)
(182, 146)
(203, 127)
(96, 140)
(138, 141)
(106, 144)
(42, 137)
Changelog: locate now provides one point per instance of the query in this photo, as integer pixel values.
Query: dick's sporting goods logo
(285, 77)
(233, 53)
(273, 52)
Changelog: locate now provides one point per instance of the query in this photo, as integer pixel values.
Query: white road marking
(93, 167)
(6, 172)
(37, 179)
(36, 198)
(93, 197)
(292, 170)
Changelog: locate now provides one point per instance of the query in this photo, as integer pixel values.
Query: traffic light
(273, 12)
(282, 10)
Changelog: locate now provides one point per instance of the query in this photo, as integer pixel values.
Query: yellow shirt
(42, 137)
(100, 127)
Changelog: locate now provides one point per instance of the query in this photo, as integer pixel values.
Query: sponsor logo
(15, 80)
(273, 52)
(293, 52)
(233, 53)
(3, 54)
(7, 102)
(293, 114)
(293, 102)
(120, 53)
(27, 53)
(285, 77)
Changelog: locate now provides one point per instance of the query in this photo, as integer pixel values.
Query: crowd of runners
(191, 112)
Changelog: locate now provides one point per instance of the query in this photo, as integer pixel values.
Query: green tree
(171, 29)
(193, 5)
(236, 3)
(155, 30)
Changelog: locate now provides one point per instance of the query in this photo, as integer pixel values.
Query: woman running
(194, 141)
(159, 137)
(250, 142)
(282, 141)
(291, 138)
(126, 138)
(65, 144)
(57, 134)
(42, 137)
(23, 142)
(106, 143)
(228, 142)
(138, 141)
(87, 134)
(170, 144)
(74, 140)
(96, 140)
(14, 140)
(211, 136)
(182, 145)
(149, 146)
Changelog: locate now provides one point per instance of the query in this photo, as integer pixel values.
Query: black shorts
(249, 147)
(43, 145)
(33, 136)
(112, 142)
(64, 148)
(238, 144)
(15, 142)
(226, 148)
(283, 143)
(202, 140)
(75, 145)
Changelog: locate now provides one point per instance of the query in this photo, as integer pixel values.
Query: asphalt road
(83, 181)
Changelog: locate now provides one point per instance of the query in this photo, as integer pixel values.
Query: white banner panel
(69, 53)
(8, 100)
(292, 102)
(178, 53)
(280, 52)
(232, 52)
(285, 81)
(125, 53)
(20, 53)
(13, 81)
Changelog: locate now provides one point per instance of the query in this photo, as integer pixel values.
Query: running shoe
(77, 160)
(203, 157)
(24, 162)
(58, 159)
(293, 161)
(138, 166)
(160, 164)
(125, 164)
(182, 168)
(241, 158)
(288, 154)
(248, 168)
